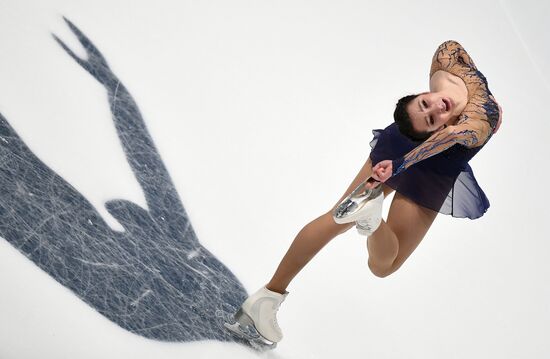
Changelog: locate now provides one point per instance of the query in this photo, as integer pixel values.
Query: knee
(379, 270)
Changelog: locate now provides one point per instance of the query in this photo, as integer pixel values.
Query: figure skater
(423, 156)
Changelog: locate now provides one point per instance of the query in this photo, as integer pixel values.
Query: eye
(431, 120)
(424, 103)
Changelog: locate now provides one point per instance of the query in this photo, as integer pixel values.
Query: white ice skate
(367, 225)
(259, 312)
(363, 206)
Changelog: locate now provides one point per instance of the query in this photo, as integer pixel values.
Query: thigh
(410, 222)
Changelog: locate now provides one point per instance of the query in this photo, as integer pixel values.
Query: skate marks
(154, 279)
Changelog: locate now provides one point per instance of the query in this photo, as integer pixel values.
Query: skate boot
(259, 312)
(363, 204)
(373, 217)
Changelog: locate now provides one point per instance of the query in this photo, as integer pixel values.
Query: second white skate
(358, 205)
(256, 320)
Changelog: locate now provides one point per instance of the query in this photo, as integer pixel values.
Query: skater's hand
(382, 171)
(371, 183)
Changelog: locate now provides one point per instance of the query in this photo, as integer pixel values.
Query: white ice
(251, 105)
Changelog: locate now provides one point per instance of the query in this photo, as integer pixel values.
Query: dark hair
(401, 116)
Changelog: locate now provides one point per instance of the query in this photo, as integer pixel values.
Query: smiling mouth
(447, 104)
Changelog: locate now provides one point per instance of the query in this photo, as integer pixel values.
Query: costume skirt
(444, 183)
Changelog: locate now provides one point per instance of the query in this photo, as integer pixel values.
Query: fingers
(371, 183)
(380, 172)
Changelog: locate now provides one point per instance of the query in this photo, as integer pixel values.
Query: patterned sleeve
(481, 107)
(450, 56)
(469, 133)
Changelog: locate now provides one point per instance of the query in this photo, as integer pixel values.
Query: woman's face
(430, 112)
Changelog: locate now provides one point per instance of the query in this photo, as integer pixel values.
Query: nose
(437, 107)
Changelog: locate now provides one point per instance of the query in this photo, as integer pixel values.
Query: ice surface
(272, 104)
(154, 278)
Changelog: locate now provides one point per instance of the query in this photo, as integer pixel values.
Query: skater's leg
(309, 241)
(314, 236)
(394, 241)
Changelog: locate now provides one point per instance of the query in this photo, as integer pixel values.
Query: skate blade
(256, 341)
(347, 211)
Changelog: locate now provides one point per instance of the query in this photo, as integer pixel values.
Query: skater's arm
(470, 133)
(449, 54)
